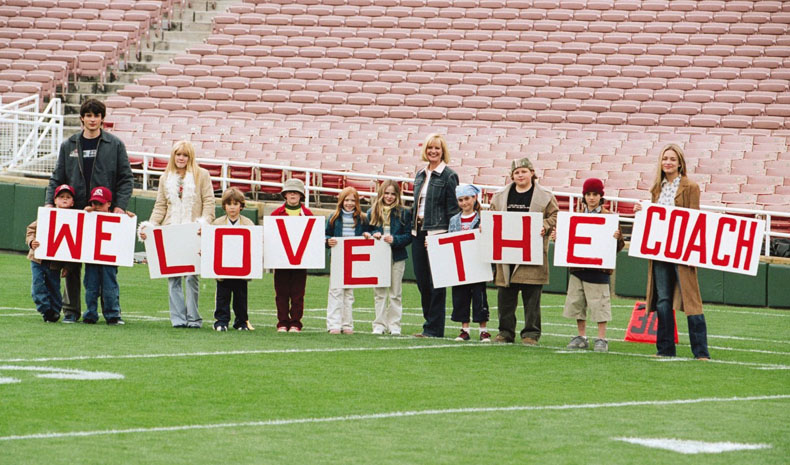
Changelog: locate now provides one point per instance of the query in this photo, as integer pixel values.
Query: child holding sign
(47, 274)
(235, 289)
(391, 222)
(347, 221)
(102, 280)
(289, 285)
(588, 288)
(475, 293)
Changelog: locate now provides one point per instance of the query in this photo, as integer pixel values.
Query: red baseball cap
(64, 187)
(101, 194)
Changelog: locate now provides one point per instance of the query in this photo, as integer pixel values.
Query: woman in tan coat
(669, 285)
(185, 196)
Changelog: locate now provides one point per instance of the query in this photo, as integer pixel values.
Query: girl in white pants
(347, 221)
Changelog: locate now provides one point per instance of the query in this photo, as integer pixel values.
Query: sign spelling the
(234, 252)
(586, 240)
(697, 238)
(360, 262)
(294, 242)
(511, 237)
(78, 236)
(456, 258)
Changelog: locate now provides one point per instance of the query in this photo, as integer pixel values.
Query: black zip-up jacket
(111, 169)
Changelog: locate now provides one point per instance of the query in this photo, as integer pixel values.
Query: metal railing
(30, 138)
(312, 178)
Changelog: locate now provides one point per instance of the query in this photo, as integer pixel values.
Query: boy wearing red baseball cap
(588, 289)
(45, 288)
(101, 280)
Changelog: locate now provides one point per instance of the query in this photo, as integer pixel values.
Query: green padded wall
(27, 199)
(778, 280)
(7, 212)
(711, 285)
(740, 289)
(631, 279)
(558, 276)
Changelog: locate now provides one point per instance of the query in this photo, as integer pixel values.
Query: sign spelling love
(293, 242)
(79, 236)
(231, 252)
(697, 238)
(172, 250)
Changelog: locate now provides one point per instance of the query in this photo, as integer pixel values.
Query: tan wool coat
(223, 220)
(544, 202)
(686, 294)
(196, 201)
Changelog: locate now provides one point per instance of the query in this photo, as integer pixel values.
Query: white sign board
(172, 250)
(360, 262)
(231, 252)
(78, 236)
(456, 258)
(512, 237)
(697, 238)
(586, 240)
(293, 242)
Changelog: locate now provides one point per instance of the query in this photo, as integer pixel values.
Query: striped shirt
(348, 223)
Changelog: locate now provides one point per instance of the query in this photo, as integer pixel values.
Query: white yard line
(388, 415)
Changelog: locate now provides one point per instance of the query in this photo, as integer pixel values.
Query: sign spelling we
(87, 237)
(697, 238)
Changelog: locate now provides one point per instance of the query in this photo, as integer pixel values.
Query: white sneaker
(378, 331)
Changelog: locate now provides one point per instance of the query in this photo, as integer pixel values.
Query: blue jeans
(665, 278)
(431, 298)
(101, 280)
(45, 289)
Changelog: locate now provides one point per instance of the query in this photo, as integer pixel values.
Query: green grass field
(197, 396)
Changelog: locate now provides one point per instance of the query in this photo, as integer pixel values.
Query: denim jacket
(455, 222)
(440, 200)
(336, 229)
(400, 229)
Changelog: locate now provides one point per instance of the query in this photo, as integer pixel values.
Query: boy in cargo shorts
(589, 288)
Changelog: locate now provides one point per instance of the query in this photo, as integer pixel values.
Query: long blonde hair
(660, 172)
(185, 147)
(341, 197)
(377, 209)
(431, 138)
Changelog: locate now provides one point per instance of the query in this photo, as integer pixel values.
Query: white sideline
(692, 447)
(385, 415)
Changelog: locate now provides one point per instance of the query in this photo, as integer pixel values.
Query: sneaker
(485, 336)
(115, 322)
(601, 345)
(578, 342)
(180, 326)
(246, 326)
(395, 333)
(282, 329)
(51, 316)
(378, 331)
(295, 329)
(528, 341)
(464, 336)
(88, 322)
(500, 338)
(220, 326)
(334, 331)
(348, 331)
(68, 319)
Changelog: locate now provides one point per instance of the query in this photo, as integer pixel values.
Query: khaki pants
(389, 314)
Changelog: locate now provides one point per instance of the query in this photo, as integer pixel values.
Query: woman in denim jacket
(434, 204)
